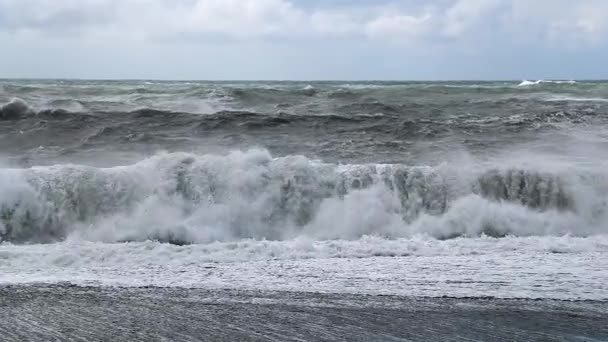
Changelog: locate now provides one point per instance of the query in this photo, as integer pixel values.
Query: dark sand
(67, 313)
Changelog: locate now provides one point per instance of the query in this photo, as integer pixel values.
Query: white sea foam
(526, 83)
(187, 198)
(512, 267)
(576, 98)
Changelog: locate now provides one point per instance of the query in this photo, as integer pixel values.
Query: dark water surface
(105, 122)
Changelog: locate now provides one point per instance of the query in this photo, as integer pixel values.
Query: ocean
(324, 210)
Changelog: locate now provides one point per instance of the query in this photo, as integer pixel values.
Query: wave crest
(526, 83)
(15, 109)
(183, 198)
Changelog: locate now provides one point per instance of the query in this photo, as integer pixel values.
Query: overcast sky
(304, 39)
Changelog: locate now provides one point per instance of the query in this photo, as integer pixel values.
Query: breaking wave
(526, 83)
(185, 198)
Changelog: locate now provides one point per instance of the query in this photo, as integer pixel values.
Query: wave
(526, 83)
(142, 253)
(576, 99)
(15, 109)
(22, 107)
(404, 115)
(407, 99)
(184, 198)
(512, 267)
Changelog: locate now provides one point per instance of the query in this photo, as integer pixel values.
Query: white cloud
(239, 18)
(399, 26)
(586, 21)
(561, 22)
(331, 22)
(552, 20)
(47, 15)
(466, 14)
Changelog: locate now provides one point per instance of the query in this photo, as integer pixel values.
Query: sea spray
(187, 198)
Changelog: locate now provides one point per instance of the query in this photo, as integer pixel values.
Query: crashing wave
(309, 90)
(526, 83)
(183, 198)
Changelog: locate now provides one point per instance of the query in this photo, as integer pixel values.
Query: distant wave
(313, 98)
(526, 83)
(183, 198)
(15, 109)
(577, 99)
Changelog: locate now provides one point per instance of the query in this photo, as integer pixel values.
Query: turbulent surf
(169, 176)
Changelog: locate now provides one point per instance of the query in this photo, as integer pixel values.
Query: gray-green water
(354, 122)
(303, 210)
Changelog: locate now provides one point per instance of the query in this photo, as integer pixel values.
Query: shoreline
(66, 312)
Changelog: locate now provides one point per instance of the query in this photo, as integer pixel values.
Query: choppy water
(501, 186)
(337, 122)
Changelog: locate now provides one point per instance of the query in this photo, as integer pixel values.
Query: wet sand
(70, 313)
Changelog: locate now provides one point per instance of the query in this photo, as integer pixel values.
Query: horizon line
(296, 80)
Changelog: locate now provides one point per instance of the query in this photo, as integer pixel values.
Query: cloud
(465, 15)
(586, 21)
(399, 27)
(560, 22)
(236, 18)
(47, 16)
(395, 21)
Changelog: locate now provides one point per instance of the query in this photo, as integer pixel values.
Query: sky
(304, 39)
